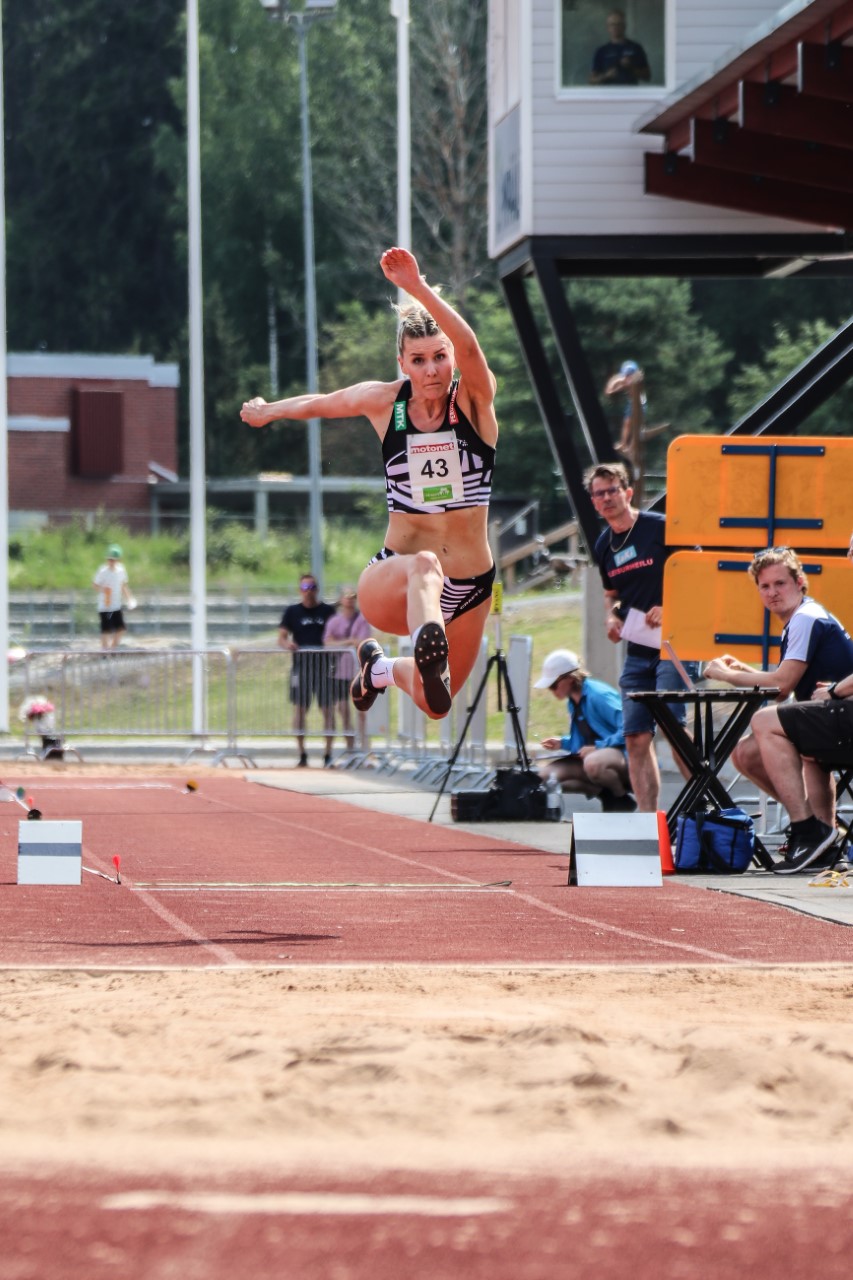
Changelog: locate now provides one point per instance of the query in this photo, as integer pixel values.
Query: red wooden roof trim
(677, 178)
(728, 147)
(822, 21)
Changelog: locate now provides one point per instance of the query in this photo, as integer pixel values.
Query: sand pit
(428, 1067)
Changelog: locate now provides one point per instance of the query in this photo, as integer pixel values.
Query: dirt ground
(428, 1067)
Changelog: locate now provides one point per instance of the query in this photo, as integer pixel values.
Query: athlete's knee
(426, 565)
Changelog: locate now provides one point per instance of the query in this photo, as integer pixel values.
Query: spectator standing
(111, 583)
(346, 627)
(595, 762)
(629, 383)
(301, 632)
(631, 554)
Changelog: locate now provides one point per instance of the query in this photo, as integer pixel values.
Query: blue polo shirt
(817, 638)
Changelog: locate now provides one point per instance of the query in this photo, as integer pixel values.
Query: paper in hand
(637, 630)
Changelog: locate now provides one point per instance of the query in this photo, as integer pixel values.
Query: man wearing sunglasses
(630, 554)
(301, 634)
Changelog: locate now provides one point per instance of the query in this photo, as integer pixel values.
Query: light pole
(400, 11)
(302, 21)
(4, 423)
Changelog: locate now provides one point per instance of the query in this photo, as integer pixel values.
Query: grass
(116, 699)
(552, 622)
(62, 558)
(65, 557)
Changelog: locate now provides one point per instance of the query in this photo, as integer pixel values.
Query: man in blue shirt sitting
(595, 762)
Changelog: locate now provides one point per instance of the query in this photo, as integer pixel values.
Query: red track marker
(117, 864)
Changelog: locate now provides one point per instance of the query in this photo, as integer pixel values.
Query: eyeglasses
(308, 585)
(595, 494)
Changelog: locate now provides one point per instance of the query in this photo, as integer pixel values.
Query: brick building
(89, 433)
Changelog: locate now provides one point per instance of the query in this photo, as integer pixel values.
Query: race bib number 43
(435, 468)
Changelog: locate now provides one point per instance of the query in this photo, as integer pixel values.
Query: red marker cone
(667, 865)
(117, 865)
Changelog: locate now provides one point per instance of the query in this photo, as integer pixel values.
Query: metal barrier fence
(224, 700)
(129, 693)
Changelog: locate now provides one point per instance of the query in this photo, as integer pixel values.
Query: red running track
(361, 887)
(655, 1225)
(414, 896)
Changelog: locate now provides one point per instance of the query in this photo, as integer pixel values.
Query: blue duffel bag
(715, 842)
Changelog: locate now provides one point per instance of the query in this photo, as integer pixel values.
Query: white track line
(306, 1203)
(632, 934)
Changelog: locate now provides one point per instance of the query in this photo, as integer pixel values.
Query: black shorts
(819, 728)
(458, 595)
(111, 621)
(311, 677)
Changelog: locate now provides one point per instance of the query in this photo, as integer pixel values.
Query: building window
(97, 423)
(611, 48)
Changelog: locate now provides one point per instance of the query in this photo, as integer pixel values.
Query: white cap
(562, 662)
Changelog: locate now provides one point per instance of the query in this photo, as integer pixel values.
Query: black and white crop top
(434, 471)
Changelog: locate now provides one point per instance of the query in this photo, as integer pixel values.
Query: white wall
(580, 164)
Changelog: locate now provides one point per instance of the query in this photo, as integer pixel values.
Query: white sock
(382, 673)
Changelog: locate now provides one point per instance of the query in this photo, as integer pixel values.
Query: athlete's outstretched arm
(367, 399)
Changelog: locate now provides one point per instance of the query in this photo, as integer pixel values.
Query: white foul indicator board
(50, 852)
(615, 849)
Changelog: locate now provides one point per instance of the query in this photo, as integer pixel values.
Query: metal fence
(225, 700)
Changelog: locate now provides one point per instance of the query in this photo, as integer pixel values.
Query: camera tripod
(497, 661)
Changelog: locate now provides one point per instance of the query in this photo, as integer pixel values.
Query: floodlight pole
(302, 22)
(198, 553)
(400, 10)
(312, 366)
(4, 432)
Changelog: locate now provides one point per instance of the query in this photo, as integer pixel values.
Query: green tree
(652, 322)
(788, 349)
(91, 266)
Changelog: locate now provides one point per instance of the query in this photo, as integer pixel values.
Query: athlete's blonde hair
(413, 321)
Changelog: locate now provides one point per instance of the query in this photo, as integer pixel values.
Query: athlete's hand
(401, 268)
(253, 412)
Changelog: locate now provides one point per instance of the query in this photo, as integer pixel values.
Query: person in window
(620, 60)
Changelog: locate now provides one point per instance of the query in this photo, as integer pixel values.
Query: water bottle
(553, 801)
